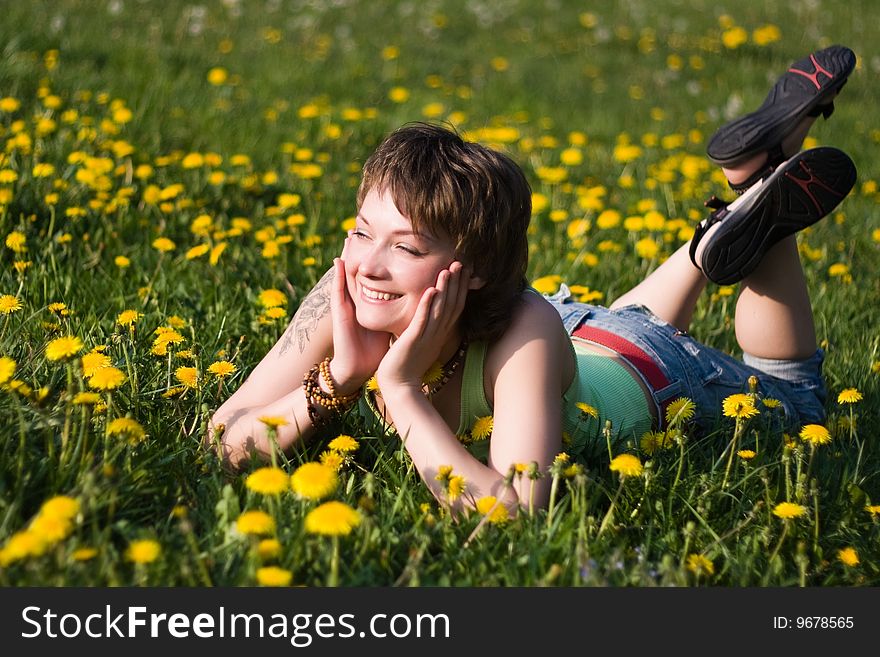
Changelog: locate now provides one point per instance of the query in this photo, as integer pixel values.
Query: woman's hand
(435, 320)
(357, 351)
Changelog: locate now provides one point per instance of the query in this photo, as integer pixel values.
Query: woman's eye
(357, 233)
(408, 249)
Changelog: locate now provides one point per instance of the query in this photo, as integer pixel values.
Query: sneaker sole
(797, 194)
(810, 82)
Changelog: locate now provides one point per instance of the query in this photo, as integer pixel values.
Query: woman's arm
(275, 385)
(324, 325)
(527, 392)
(529, 369)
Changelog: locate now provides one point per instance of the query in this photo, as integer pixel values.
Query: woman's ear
(476, 283)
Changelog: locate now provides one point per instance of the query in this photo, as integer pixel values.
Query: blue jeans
(701, 373)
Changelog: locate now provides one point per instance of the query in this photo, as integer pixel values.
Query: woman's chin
(375, 321)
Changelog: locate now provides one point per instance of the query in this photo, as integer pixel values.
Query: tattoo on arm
(310, 311)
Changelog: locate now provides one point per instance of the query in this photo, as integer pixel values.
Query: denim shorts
(706, 375)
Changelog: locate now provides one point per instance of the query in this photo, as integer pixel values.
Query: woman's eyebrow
(421, 236)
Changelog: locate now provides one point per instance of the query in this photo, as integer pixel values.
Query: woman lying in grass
(426, 321)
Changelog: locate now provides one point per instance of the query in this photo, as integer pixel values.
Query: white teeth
(380, 296)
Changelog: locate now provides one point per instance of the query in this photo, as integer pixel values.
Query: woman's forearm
(431, 444)
(246, 435)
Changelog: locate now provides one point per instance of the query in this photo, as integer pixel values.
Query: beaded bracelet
(315, 396)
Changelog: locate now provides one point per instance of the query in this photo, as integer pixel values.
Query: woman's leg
(670, 291)
(774, 318)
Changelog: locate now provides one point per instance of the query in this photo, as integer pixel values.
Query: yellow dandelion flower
(257, 523)
(221, 368)
(734, 37)
(680, 410)
(456, 487)
(164, 244)
(60, 506)
(269, 548)
(22, 545)
(84, 554)
(217, 76)
(496, 514)
(7, 369)
(848, 556)
(63, 347)
(739, 405)
(273, 421)
(197, 251)
(313, 480)
(787, 510)
(547, 284)
(86, 398)
(51, 529)
(443, 473)
(587, 410)
(746, 454)
(815, 434)
(188, 376)
(143, 551)
(107, 378)
(271, 298)
(332, 519)
(651, 441)
(128, 317)
(273, 576)
(482, 427)
(770, 402)
(121, 261)
(433, 375)
(267, 481)
(16, 241)
(125, 426)
(700, 565)
(332, 459)
(343, 443)
(275, 313)
(849, 396)
(9, 104)
(94, 361)
(873, 509)
(399, 94)
(626, 465)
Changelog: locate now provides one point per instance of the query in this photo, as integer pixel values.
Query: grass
(197, 123)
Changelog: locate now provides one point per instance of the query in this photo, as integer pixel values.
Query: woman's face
(388, 267)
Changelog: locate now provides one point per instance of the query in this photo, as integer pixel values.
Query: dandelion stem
(609, 514)
(333, 579)
(607, 432)
(680, 462)
(733, 444)
(554, 487)
(778, 545)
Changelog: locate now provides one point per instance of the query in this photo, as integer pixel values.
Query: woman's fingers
(464, 279)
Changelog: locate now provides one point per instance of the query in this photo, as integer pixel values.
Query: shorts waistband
(639, 360)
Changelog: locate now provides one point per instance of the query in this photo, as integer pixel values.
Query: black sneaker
(806, 89)
(797, 194)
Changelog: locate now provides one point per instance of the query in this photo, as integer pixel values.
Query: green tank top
(606, 388)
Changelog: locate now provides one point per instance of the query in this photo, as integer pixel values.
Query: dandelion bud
(753, 384)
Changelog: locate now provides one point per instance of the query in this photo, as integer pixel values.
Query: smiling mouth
(378, 296)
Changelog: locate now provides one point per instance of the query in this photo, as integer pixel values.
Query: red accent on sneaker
(814, 76)
(804, 184)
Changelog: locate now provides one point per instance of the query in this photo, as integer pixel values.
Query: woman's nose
(373, 261)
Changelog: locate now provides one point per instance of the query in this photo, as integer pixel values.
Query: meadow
(174, 177)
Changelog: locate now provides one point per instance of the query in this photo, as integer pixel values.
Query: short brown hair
(473, 195)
